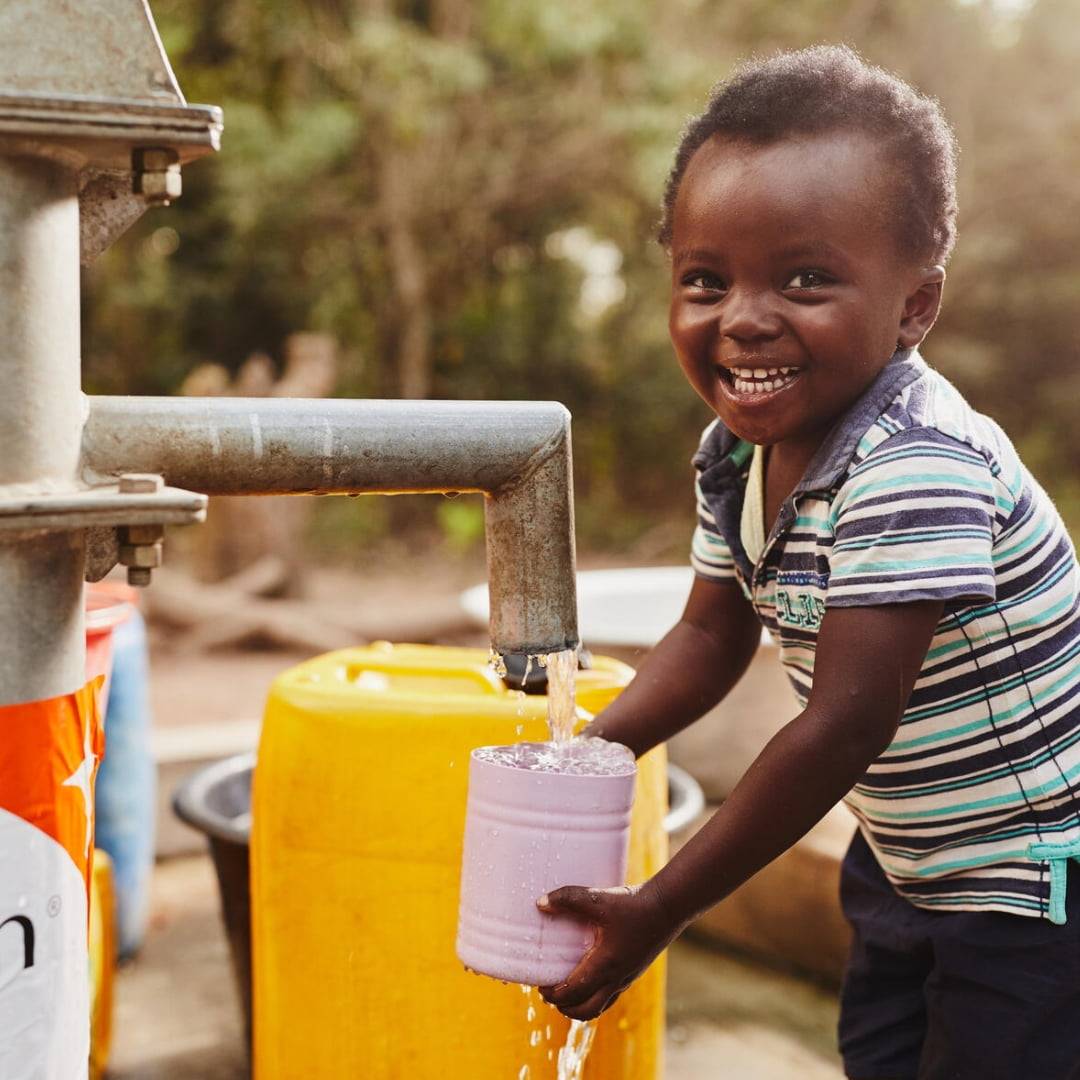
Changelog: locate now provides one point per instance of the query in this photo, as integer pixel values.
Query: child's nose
(747, 315)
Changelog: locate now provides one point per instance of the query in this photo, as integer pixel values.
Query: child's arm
(866, 664)
(690, 669)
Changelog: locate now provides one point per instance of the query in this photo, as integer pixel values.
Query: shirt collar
(721, 453)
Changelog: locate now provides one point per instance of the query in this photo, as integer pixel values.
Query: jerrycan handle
(478, 679)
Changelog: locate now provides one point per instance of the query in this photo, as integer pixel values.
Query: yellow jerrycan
(358, 810)
(102, 941)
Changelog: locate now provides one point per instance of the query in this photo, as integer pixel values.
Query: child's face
(785, 262)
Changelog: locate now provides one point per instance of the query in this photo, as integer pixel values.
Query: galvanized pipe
(42, 645)
(40, 403)
(516, 453)
(41, 412)
(532, 585)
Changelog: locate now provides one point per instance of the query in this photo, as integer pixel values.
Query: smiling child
(919, 582)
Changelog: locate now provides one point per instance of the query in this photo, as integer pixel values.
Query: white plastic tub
(631, 607)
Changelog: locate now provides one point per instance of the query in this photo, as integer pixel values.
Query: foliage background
(464, 193)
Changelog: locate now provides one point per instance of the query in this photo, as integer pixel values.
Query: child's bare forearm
(691, 669)
(867, 662)
(799, 776)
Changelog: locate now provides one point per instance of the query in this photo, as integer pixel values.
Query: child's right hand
(632, 929)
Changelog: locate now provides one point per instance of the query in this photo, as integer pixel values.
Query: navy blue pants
(934, 995)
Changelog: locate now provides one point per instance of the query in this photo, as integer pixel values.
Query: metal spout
(516, 453)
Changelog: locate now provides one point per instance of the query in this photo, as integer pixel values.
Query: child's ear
(921, 307)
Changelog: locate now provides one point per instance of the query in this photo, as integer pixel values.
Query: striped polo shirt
(914, 495)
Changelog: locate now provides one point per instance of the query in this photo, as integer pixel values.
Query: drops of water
(530, 1015)
(534, 1039)
(579, 1040)
(524, 1074)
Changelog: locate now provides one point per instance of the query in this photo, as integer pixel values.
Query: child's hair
(830, 88)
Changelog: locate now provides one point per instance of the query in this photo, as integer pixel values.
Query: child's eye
(808, 279)
(704, 282)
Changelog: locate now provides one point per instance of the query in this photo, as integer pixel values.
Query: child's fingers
(577, 900)
(580, 985)
(591, 1008)
(593, 973)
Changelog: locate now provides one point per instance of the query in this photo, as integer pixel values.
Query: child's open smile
(790, 288)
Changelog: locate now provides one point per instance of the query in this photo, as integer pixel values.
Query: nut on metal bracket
(124, 522)
(156, 174)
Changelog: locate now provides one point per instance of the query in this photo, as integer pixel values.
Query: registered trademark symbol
(53, 907)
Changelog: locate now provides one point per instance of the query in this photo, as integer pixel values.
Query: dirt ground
(177, 1016)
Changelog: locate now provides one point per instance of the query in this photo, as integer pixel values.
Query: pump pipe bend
(518, 454)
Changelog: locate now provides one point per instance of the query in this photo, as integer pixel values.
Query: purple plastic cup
(527, 832)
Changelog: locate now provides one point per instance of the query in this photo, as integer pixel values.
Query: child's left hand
(632, 929)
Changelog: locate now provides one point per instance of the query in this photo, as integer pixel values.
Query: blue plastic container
(126, 798)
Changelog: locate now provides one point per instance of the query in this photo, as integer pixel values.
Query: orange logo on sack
(49, 755)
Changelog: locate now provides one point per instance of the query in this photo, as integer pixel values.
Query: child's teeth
(761, 380)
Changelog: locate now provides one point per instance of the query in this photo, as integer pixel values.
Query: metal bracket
(128, 153)
(104, 131)
(124, 522)
(90, 83)
(106, 505)
(102, 551)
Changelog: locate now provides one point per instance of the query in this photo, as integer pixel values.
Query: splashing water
(580, 757)
(579, 1040)
(561, 670)
(561, 678)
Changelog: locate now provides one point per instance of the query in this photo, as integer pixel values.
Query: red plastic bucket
(107, 606)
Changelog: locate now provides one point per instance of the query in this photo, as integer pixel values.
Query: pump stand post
(41, 573)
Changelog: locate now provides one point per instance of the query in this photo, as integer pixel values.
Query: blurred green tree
(464, 193)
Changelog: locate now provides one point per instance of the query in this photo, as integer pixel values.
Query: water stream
(570, 1063)
(561, 670)
(572, 1056)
